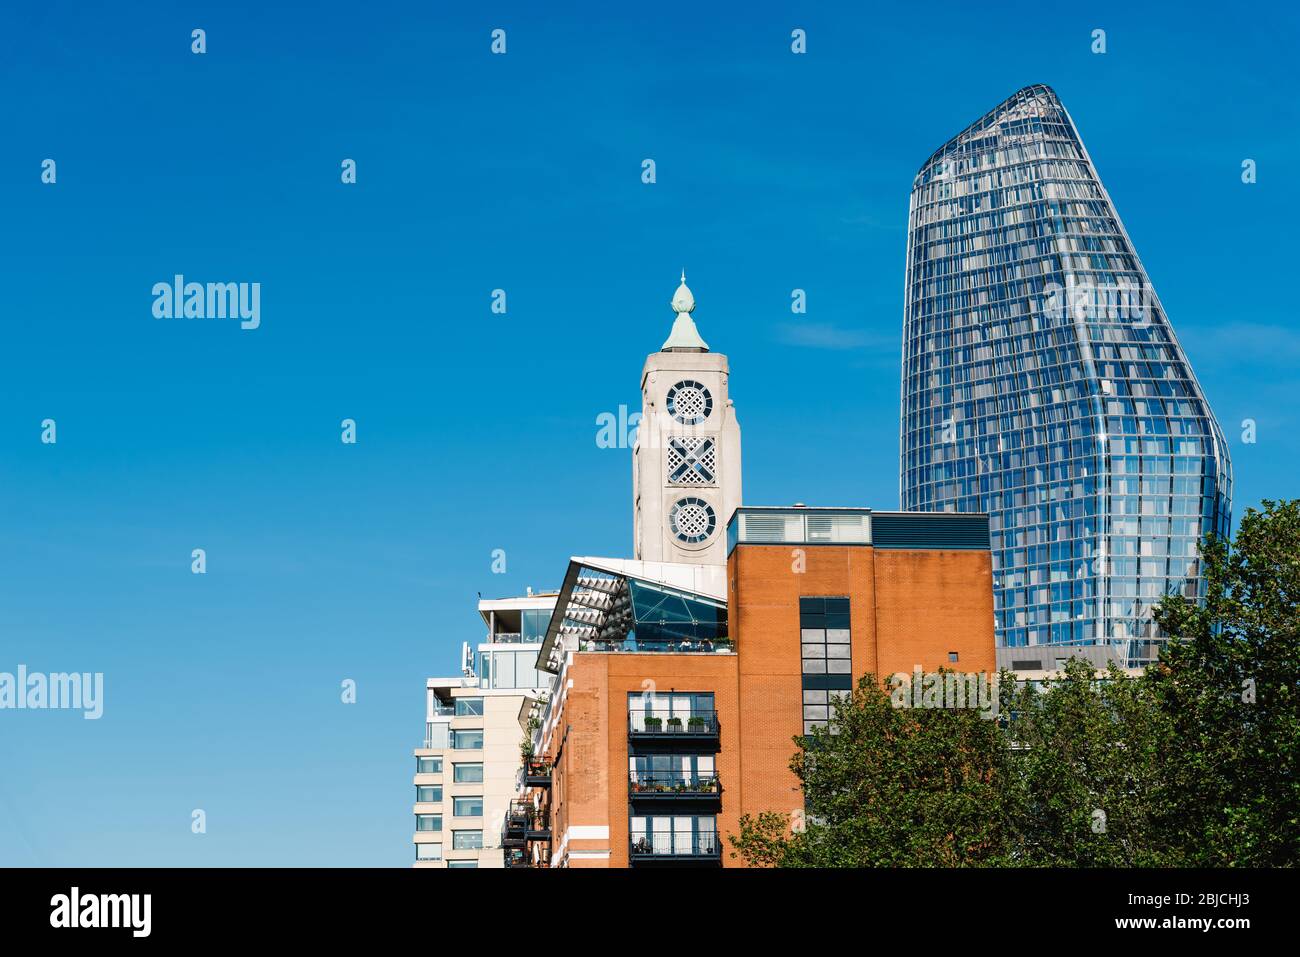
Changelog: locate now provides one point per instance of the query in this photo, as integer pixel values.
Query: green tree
(1228, 684)
(1090, 752)
(892, 787)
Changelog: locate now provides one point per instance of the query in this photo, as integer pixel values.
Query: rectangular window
(466, 840)
(503, 669)
(688, 711)
(467, 806)
(467, 773)
(462, 865)
(435, 735)
(428, 793)
(663, 772)
(428, 765)
(534, 622)
(428, 852)
(681, 836)
(469, 706)
(467, 740)
(428, 822)
(827, 652)
(952, 657)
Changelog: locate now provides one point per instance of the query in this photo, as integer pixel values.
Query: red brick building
(680, 688)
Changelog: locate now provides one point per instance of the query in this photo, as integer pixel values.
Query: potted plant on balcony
(696, 723)
(654, 724)
(674, 724)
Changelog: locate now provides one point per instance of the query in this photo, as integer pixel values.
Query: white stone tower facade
(686, 460)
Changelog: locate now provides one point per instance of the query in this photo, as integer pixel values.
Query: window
(691, 461)
(690, 711)
(467, 773)
(689, 402)
(503, 669)
(428, 822)
(827, 657)
(653, 772)
(533, 624)
(684, 836)
(952, 657)
(467, 740)
(469, 706)
(428, 765)
(514, 669)
(428, 852)
(428, 793)
(467, 806)
(466, 840)
(462, 865)
(435, 735)
(692, 520)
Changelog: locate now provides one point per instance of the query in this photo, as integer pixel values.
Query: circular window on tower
(693, 520)
(689, 402)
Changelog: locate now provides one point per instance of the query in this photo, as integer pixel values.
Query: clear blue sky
(477, 431)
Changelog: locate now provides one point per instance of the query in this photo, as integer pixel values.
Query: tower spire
(684, 337)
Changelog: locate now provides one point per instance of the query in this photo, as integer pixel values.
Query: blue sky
(476, 431)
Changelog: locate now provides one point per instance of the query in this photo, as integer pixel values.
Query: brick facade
(908, 607)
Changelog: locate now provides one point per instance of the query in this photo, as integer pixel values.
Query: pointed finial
(684, 337)
(683, 300)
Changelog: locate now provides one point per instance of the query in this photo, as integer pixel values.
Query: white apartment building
(467, 764)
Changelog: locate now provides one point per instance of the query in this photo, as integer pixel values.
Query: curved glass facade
(1042, 383)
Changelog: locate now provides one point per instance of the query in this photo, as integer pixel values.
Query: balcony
(540, 856)
(516, 857)
(537, 774)
(519, 817)
(701, 850)
(538, 830)
(699, 727)
(676, 787)
(523, 824)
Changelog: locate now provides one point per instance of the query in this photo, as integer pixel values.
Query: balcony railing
(665, 846)
(643, 784)
(676, 646)
(519, 818)
(520, 814)
(536, 856)
(701, 724)
(524, 823)
(537, 774)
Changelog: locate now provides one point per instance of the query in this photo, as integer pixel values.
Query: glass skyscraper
(1042, 383)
